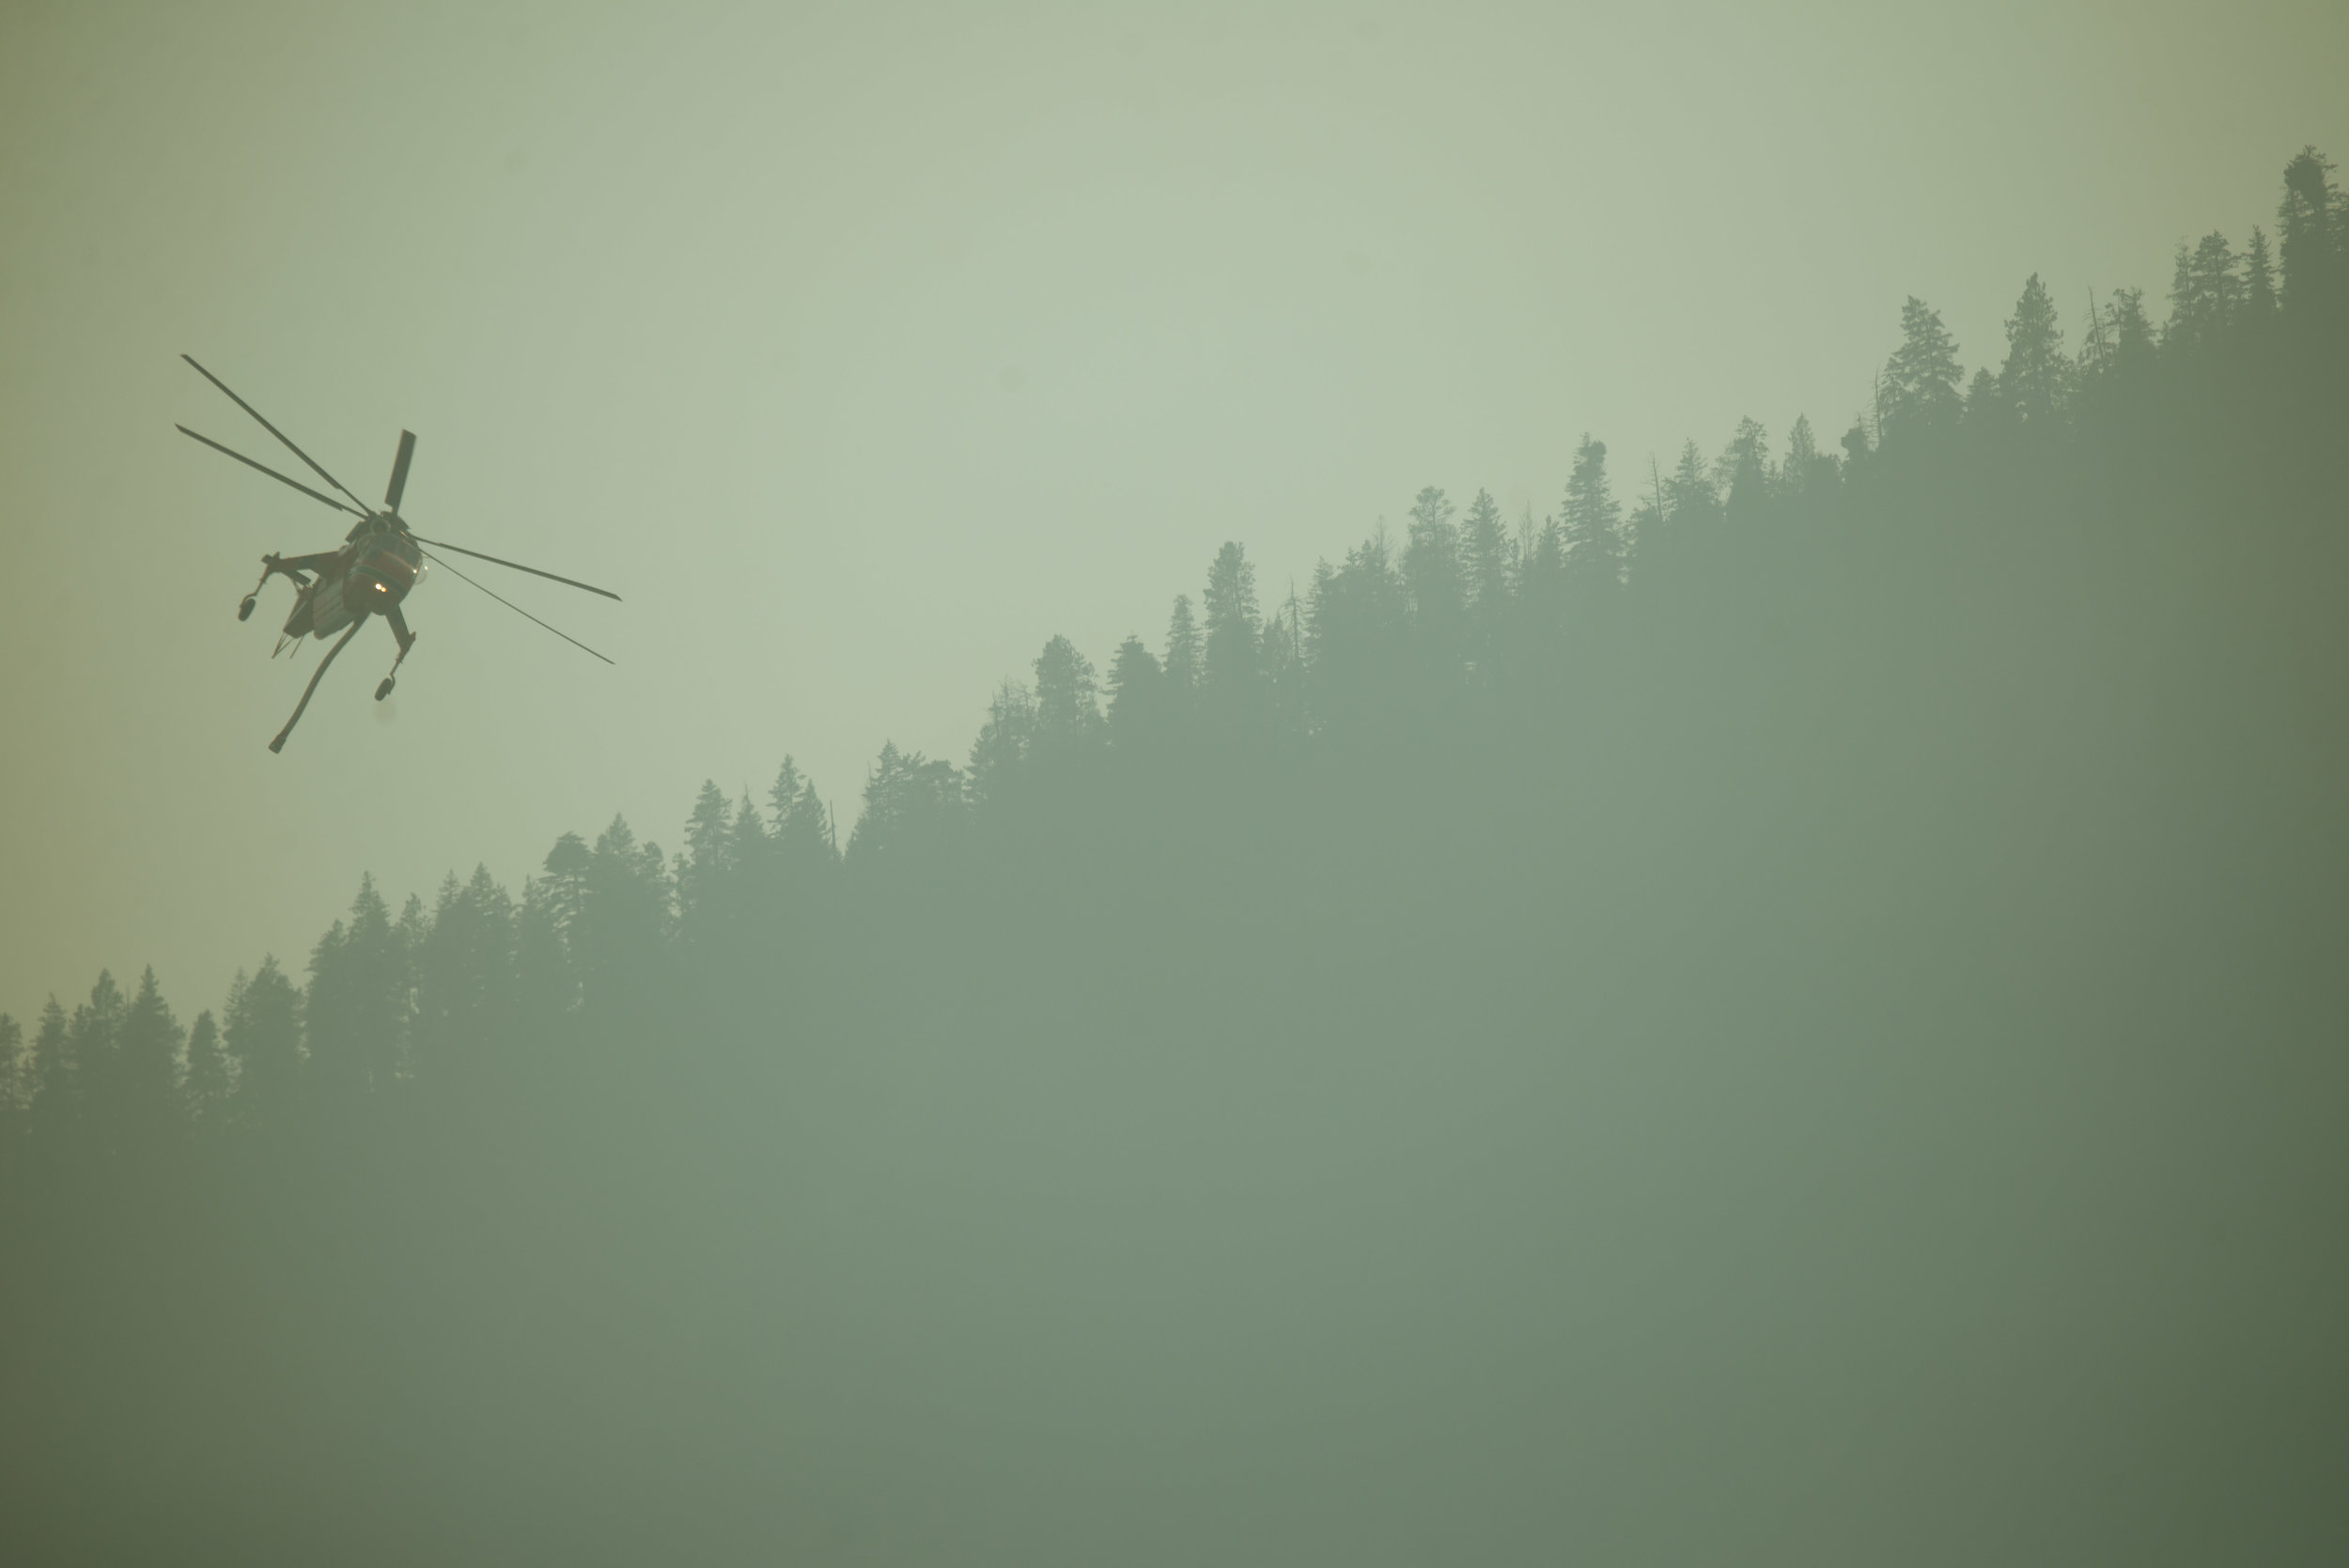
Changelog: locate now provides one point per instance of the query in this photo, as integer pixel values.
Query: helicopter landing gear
(270, 567)
(405, 638)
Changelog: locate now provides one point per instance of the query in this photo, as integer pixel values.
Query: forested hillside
(1791, 1010)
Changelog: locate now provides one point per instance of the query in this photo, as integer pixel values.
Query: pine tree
(2258, 281)
(546, 985)
(1358, 623)
(2204, 292)
(1807, 473)
(911, 805)
(708, 865)
(90, 1044)
(1232, 666)
(627, 914)
(1689, 499)
(2035, 383)
(1855, 441)
(1742, 472)
(1431, 571)
(16, 1077)
(1984, 406)
(752, 850)
(1004, 740)
(1283, 640)
(565, 868)
(464, 972)
(1137, 713)
(145, 1099)
(356, 1012)
(50, 1071)
(1487, 563)
(2313, 240)
(1591, 524)
(210, 1081)
(261, 1026)
(1067, 701)
(802, 828)
(1184, 657)
(1485, 559)
(2132, 334)
(1920, 380)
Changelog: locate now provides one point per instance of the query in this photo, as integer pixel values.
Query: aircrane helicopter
(379, 561)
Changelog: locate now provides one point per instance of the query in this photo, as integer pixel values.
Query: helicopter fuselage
(369, 576)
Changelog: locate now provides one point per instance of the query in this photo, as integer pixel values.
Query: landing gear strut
(407, 640)
(245, 608)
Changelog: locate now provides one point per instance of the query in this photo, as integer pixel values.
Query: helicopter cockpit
(388, 565)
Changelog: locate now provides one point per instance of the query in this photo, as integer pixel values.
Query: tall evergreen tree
(707, 863)
(1137, 713)
(749, 847)
(1689, 499)
(802, 827)
(1431, 570)
(143, 1102)
(1005, 738)
(1358, 619)
(2035, 383)
(209, 1079)
(1807, 473)
(2132, 332)
(2204, 292)
(1485, 559)
(1283, 640)
(2258, 281)
(50, 1071)
(1184, 656)
(90, 1048)
(1592, 524)
(356, 1013)
(911, 804)
(16, 1077)
(261, 1026)
(1742, 472)
(546, 983)
(2312, 239)
(566, 869)
(465, 978)
(1232, 664)
(1984, 406)
(627, 912)
(1920, 380)
(1067, 701)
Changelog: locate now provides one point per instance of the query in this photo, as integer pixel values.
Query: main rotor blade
(518, 608)
(271, 471)
(278, 433)
(400, 470)
(516, 565)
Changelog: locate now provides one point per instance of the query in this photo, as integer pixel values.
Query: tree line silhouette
(1452, 613)
(2022, 656)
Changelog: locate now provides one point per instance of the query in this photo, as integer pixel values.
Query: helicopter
(378, 561)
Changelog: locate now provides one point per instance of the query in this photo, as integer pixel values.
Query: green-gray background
(864, 347)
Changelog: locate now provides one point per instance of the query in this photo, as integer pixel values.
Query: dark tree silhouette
(1920, 380)
(261, 1027)
(1927, 863)
(2035, 383)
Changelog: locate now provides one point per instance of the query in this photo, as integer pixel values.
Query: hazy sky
(863, 348)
